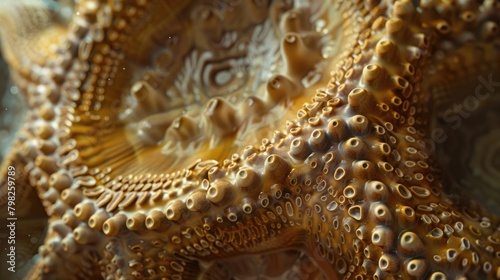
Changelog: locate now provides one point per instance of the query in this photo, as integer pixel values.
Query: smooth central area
(215, 82)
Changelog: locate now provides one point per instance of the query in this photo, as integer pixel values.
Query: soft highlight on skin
(230, 140)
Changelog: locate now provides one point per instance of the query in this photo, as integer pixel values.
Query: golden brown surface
(243, 139)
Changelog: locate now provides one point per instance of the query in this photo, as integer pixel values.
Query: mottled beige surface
(245, 139)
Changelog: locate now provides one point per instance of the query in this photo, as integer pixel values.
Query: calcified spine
(347, 181)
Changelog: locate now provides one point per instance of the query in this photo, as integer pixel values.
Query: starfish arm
(21, 56)
(383, 167)
(19, 199)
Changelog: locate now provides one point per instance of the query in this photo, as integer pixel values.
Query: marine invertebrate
(173, 158)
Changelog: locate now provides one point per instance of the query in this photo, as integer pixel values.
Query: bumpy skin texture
(347, 186)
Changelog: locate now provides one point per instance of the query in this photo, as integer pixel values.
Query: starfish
(236, 139)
